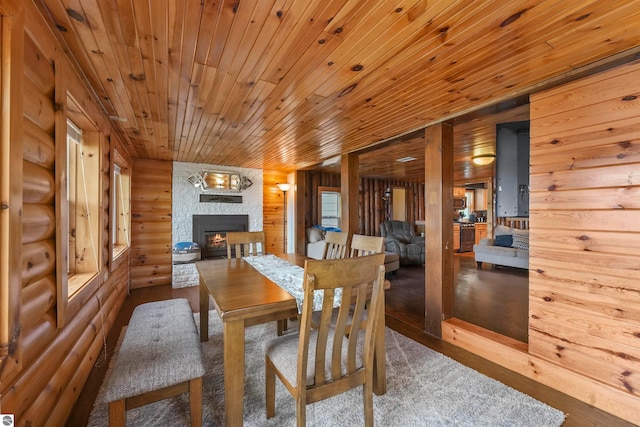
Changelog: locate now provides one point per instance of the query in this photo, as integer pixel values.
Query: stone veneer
(186, 203)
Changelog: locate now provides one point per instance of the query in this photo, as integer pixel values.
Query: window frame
(120, 206)
(77, 267)
(338, 217)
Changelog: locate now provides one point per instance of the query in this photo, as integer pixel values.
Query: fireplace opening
(210, 232)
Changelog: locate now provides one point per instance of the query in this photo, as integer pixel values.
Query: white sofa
(509, 247)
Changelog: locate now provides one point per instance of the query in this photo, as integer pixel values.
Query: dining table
(243, 296)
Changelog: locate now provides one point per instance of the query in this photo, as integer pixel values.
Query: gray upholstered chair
(399, 237)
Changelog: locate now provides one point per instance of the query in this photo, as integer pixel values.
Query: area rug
(424, 388)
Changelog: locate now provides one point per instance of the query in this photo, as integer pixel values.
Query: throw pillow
(315, 235)
(501, 230)
(520, 241)
(504, 240)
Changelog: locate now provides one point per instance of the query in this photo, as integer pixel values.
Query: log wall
(151, 223)
(52, 363)
(584, 277)
(371, 208)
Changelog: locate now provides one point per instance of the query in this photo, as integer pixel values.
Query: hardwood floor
(489, 297)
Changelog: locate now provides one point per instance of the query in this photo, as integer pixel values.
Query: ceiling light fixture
(483, 159)
(405, 159)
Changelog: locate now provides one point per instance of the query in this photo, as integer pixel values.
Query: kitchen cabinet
(456, 237)
(481, 231)
(481, 199)
(459, 192)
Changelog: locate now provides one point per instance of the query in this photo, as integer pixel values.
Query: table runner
(289, 277)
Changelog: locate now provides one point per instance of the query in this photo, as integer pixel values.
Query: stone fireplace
(186, 205)
(210, 232)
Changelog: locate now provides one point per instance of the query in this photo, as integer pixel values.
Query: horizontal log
(625, 220)
(38, 222)
(163, 247)
(35, 377)
(584, 280)
(600, 243)
(38, 145)
(37, 299)
(144, 165)
(38, 261)
(144, 282)
(152, 216)
(607, 328)
(72, 388)
(591, 305)
(616, 176)
(552, 374)
(573, 96)
(151, 227)
(146, 194)
(150, 259)
(38, 337)
(149, 207)
(38, 184)
(598, 363)
(587, 199)
(38, 412)
(38, 106)
(151, 270)
(37, 68)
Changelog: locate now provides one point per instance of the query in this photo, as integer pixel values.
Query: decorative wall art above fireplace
(208, 180)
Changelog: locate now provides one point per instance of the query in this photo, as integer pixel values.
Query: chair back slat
(337, 355)
(245, 243)
(335, 246)
(366, 245)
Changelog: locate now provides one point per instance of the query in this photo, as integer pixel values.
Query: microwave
(460, 203)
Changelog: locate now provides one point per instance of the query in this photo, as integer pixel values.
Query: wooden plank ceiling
(287, 84)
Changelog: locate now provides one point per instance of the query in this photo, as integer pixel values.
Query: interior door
(399, 204)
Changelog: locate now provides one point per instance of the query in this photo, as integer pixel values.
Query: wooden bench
(160, 357)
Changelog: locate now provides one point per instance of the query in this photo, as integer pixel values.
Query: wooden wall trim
(349, 193)
(513, 355)
(62, 208)
(439, 244)
(11, 148)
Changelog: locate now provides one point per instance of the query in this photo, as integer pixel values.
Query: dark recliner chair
(399, 237)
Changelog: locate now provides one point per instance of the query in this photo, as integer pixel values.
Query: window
(120, 205)
(82, 206)
(330, 207)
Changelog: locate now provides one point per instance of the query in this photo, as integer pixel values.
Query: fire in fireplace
(210, 232)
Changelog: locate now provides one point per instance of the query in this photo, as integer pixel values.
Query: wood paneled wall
(585, 194)
(584, 281)
(151, 223)
(272, 211)
(371, 208)
(53, 362)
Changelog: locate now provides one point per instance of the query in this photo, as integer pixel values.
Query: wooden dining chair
(335, 245)
(245, 243)
(366, 245)
(323, 362)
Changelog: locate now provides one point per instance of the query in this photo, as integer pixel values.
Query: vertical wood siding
(371, 209)
(55, 362)
(272, 211)
(151, 223)
(585, 228)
